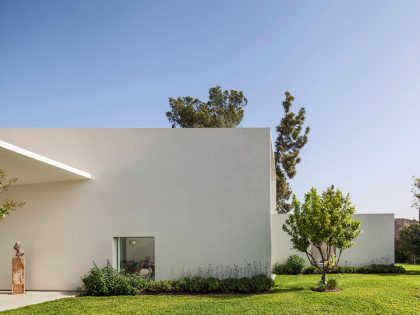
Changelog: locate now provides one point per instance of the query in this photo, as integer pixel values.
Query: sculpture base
(18, 275)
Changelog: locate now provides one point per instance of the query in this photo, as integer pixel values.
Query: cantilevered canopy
(31, 168)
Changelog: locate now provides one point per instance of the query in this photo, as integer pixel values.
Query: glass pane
(137, 255)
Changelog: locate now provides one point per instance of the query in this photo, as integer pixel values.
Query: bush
(381, 269)
(108, 281)
(311, 270)
(404, 257)
(343, 269)
(279, 269)
(294, 266)
(156, 287)
(331, 284)
(410, 239)
(199, 285)
(322, 287)
(261, 283)
(351, 269)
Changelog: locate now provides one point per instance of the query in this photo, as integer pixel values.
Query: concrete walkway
(9, 301)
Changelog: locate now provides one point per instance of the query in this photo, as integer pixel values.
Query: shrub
(381, 269)
(261, 283)
(293, 266)
(155, 287)
(343, 269)
(322, 287)
(108, 281)
(403, 256)
(213, 285)
(311, 270)
(331, 284)
(94, 283)
(410, 239)
(229, 285)
(279, 269)
(365, 269)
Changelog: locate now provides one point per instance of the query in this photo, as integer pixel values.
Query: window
(136, 255)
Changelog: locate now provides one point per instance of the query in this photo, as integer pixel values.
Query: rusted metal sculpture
(18, 270)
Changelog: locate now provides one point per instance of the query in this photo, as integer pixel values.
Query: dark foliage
(108, 281)
(410, 241)
(371, 269)
(224, 109)
(291, 138)
(293, 266)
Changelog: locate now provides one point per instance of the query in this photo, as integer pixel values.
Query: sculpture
(18, 249)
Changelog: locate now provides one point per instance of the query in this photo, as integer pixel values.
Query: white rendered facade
(188, 198)
(374, 245)
(202, 194)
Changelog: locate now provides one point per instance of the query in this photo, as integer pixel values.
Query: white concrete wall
(204, 194)
(281, 247)
(374, 245)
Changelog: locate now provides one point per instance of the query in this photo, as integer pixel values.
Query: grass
(360, 294)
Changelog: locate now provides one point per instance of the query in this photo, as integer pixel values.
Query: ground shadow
(64, 293)
(407, 273)
(412, 272)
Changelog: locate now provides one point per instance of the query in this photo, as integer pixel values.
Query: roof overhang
(30, 168)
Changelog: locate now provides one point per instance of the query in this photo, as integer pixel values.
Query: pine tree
(224, 109)
(290, 140)
(416, 194)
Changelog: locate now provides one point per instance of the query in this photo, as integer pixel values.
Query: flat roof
(30, 167)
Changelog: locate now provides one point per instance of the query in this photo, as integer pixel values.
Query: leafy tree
(9, 205)
(325, 223)
(410, 240)
(224, 109)
(290, 140)
(416, 193)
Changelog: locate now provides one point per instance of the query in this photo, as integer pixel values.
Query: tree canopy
(416, 194)
(224, 109)
(410, 240)
(9, 205)
(325, 223)
(291, 138)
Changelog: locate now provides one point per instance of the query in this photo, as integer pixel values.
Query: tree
(9, 205)
(325, 223)
(410, 240)
(416, 193)
(224, 109)
(290, 140)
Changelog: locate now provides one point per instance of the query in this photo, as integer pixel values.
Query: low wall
(374, 245)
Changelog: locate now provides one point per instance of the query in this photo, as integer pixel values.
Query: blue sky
(354, 65)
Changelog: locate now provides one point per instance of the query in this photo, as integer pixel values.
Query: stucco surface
(374, 245)
(204, 194)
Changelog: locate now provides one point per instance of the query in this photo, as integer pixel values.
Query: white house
(163, 202)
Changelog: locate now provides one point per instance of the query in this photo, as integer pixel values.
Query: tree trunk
(324, 277)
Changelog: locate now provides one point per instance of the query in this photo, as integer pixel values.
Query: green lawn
(361, 294)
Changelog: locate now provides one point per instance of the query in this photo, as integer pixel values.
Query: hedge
(108, 281)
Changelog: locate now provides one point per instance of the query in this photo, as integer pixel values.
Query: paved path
(9, 301)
